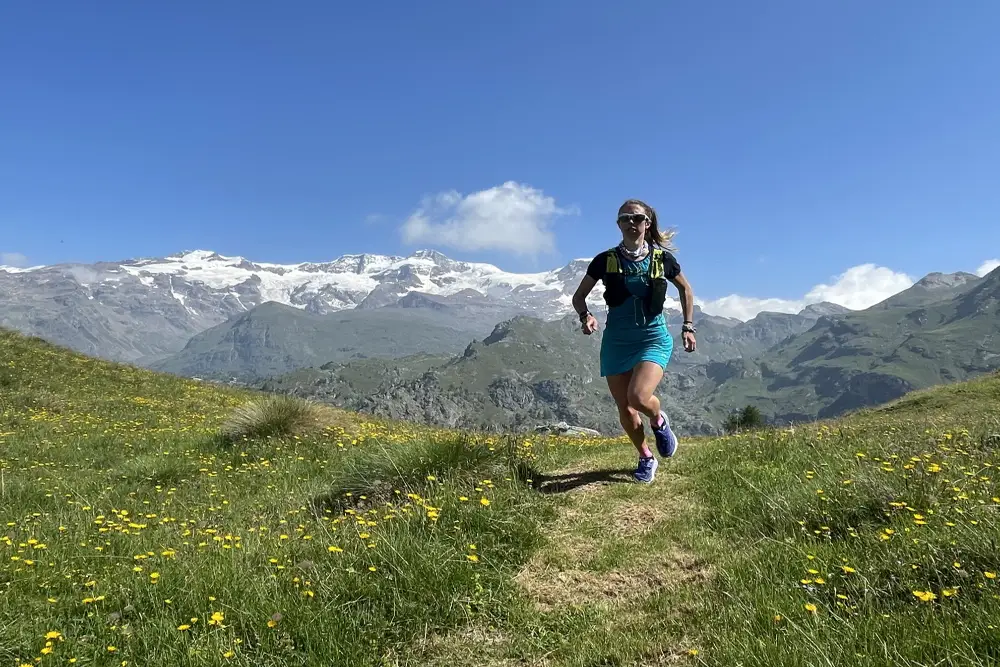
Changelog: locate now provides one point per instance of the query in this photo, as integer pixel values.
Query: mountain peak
(434, 255)
(196, 256)
(823, 308)
(937, 279)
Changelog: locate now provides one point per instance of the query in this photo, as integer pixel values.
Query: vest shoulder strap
(611, 265)
(656, 264)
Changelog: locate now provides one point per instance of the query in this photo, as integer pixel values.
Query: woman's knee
(627, 411)
(636, 399)
(628, 415)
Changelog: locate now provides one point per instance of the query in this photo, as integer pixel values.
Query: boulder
(562, 428)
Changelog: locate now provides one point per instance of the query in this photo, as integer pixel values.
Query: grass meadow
(151, 520)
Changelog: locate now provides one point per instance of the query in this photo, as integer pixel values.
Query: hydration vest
(615, 291)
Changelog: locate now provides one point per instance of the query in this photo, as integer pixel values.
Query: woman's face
(633, 222)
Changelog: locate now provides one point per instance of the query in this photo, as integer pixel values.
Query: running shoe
(666, 441)
(646, 471)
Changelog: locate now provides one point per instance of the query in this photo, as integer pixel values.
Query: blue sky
(786, 141)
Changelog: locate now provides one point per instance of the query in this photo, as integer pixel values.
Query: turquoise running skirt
(629, 340)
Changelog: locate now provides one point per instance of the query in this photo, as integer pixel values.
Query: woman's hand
(689, 342)
(590, 324)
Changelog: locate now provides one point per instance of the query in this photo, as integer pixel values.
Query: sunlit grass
(131, 532)
(870, 540)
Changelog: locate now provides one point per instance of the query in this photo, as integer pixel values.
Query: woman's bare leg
(627, 415)
(645, 377)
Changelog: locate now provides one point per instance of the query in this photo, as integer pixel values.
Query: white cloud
(747, 307)
(988, 266)
(861, 286)
(14, 259)
(511, 217)
(856, 288)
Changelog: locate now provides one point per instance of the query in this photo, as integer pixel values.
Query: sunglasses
(633, 218)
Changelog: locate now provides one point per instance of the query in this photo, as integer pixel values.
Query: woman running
(636, 346)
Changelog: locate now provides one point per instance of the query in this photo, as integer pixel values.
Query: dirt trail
(614, 545)
(599, 551)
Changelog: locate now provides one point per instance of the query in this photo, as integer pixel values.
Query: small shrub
(274, 415)
(744, 420)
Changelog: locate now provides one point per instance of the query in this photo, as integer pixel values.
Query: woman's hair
(654, 236)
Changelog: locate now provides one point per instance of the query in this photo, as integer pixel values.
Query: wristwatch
(688, 326)
(583, 315)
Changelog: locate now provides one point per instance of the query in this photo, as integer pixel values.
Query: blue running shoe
(666, 441)
(646, 471)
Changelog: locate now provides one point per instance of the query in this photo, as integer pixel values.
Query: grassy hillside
(920, 338)
(134, 532)
(820, 363)
(273, 338)
(526, 372)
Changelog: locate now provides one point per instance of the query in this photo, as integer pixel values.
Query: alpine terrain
(821, 362)
(466, 344)
(144, 310)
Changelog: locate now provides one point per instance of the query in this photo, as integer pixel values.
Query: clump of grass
(274, 415)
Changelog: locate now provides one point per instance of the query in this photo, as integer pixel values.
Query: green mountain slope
(525, 373)
(876, 355)
(273, 338)
(792, 367)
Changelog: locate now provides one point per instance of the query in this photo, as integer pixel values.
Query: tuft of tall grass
(274, 415)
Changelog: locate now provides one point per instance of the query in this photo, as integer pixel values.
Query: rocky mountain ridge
(142, 310)
(145, 310)
(792, 367)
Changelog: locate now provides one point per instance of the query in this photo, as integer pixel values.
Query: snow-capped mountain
(141, 309)
(345, 282)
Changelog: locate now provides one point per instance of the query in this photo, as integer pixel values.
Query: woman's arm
(686, 295)
(687, 307)
(589, 323)
(582, 292)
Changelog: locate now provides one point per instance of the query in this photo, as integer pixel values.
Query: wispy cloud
(15, 259)
(512, 217)
(988, 266)
(856, 288)
(747, 307)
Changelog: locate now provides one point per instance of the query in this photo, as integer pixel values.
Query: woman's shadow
(574, 480)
